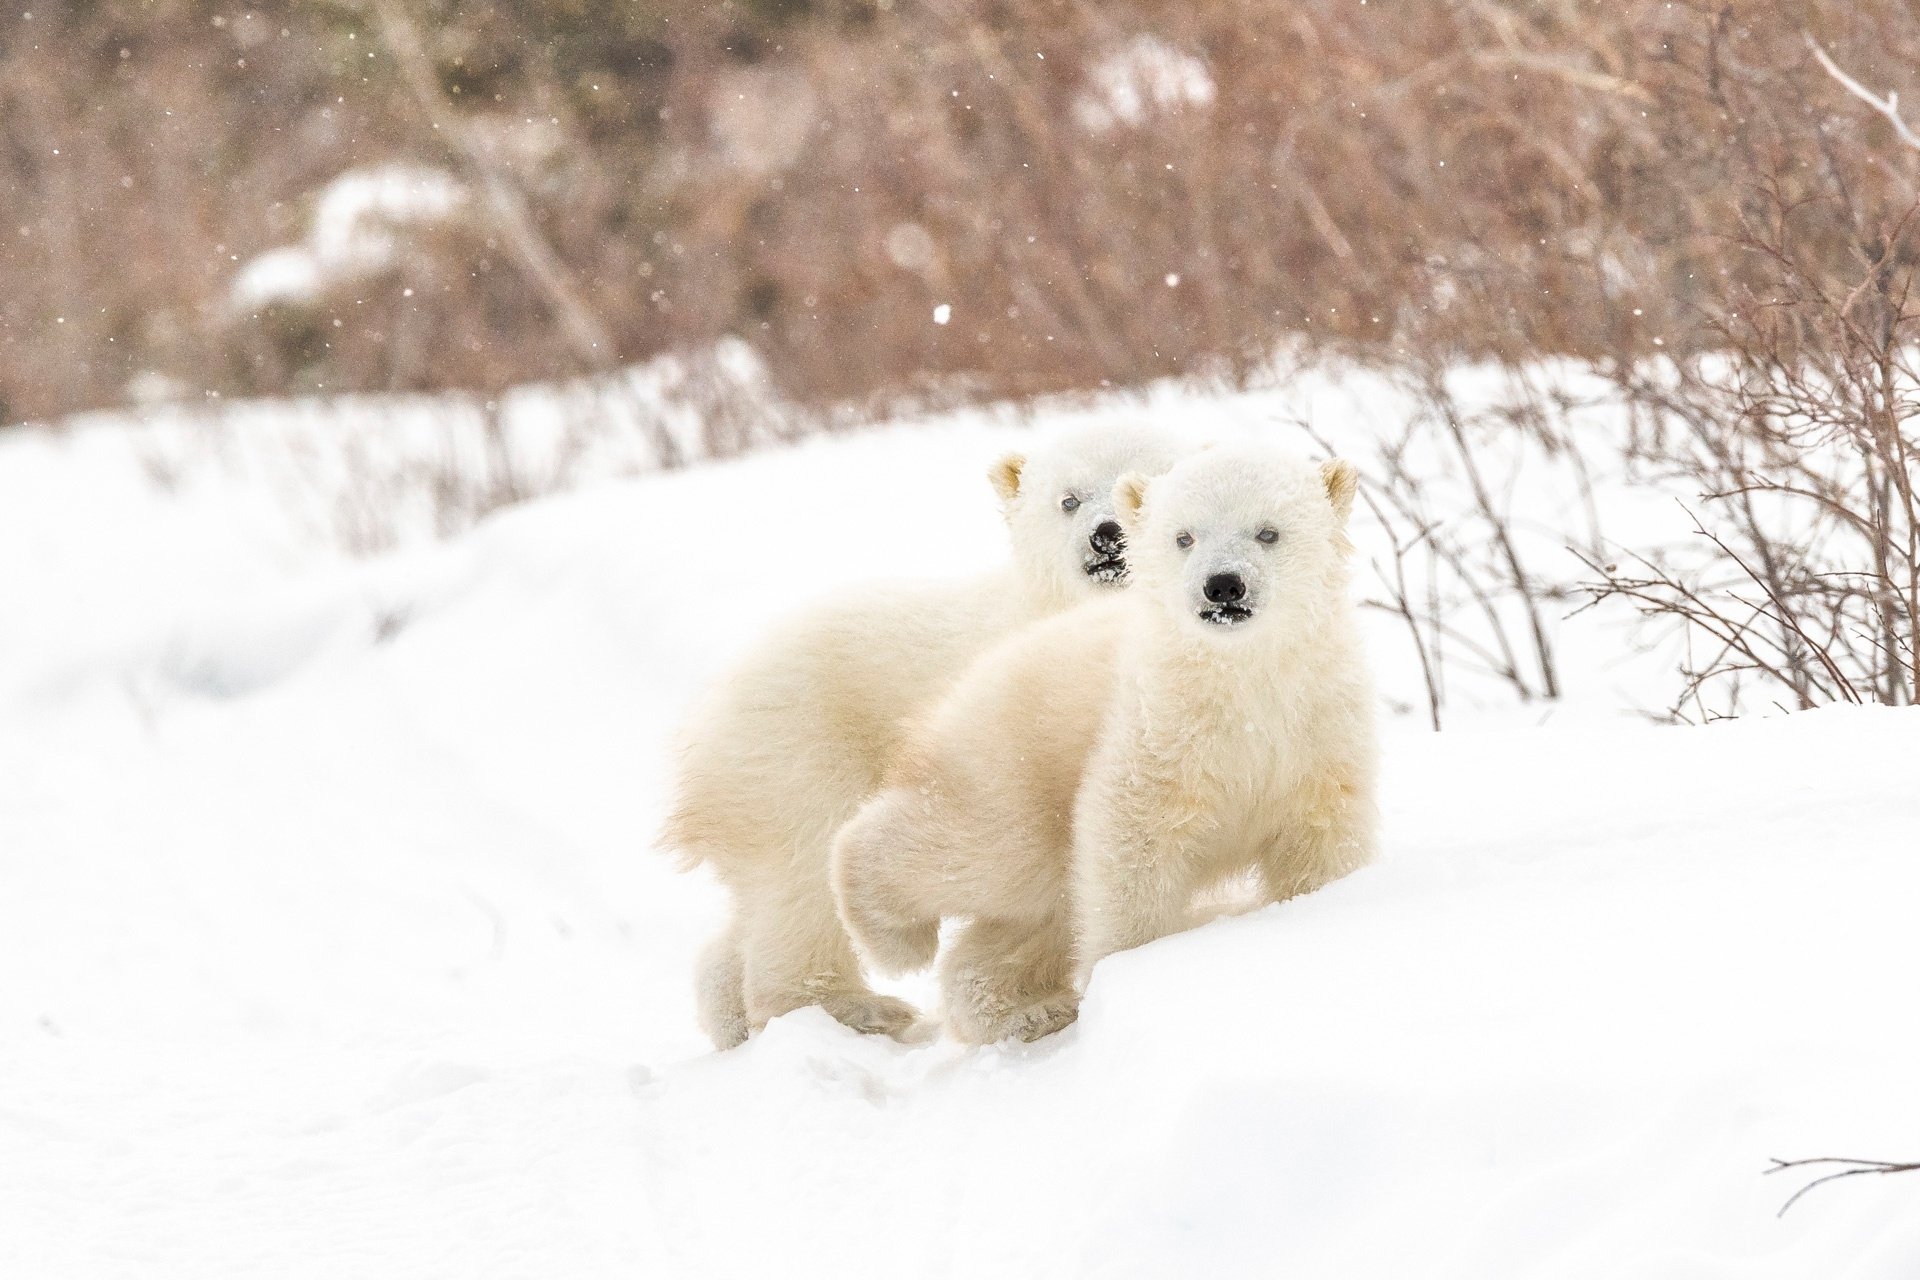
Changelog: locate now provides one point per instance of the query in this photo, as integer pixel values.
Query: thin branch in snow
(1854, 1168)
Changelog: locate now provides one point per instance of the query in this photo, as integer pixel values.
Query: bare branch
(1888, 106)
(591, 344)
(1854, 1168)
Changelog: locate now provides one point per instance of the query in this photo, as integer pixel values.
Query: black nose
(1226, 588)
(1107, 538)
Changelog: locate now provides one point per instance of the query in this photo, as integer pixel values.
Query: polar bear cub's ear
(1342, 481)
(1129, 495)
(1004, 475)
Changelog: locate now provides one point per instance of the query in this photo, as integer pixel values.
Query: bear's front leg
(878, 869)
(1331, 831)
(1130, 888)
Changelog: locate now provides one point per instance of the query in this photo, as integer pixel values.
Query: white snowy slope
(331, 943)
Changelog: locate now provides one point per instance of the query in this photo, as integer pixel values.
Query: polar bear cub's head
(1241, 538)
(1059, 503)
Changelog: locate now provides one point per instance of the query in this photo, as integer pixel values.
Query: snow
(335, 945)
(1139, 79)
(290, 274)
(377, 471)
(354, 233)
(910, 247)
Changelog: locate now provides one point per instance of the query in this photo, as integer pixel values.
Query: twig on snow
(1854, 1168)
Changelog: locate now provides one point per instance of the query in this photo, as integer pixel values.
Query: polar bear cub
(786, 747)
(1087, 777)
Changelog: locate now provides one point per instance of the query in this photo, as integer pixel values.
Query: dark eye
(1268, 536)
(1184, 541)
(1069, 503)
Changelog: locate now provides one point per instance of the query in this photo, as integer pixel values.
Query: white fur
(785, 748)
(1086, 779)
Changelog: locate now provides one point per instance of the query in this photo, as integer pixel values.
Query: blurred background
(373, 195)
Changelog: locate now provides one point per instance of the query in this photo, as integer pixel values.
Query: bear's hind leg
(718, 991)
(1010, 978)
(796, 954)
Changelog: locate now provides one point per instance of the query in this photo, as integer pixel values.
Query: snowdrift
(334, 946)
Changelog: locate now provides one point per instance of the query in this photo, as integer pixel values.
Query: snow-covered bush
(1143, 78)
(360, 226)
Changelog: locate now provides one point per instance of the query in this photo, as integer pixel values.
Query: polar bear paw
(1042, 1018)
(877, 1015)
(1033, 1020)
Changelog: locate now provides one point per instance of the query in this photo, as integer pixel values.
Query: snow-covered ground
(333, 945)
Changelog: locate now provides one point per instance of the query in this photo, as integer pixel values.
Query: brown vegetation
(1464, 178)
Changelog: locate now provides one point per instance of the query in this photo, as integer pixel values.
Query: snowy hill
(334, 945)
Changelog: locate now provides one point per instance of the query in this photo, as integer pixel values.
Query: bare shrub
(1797, 431)
(1479, 494)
